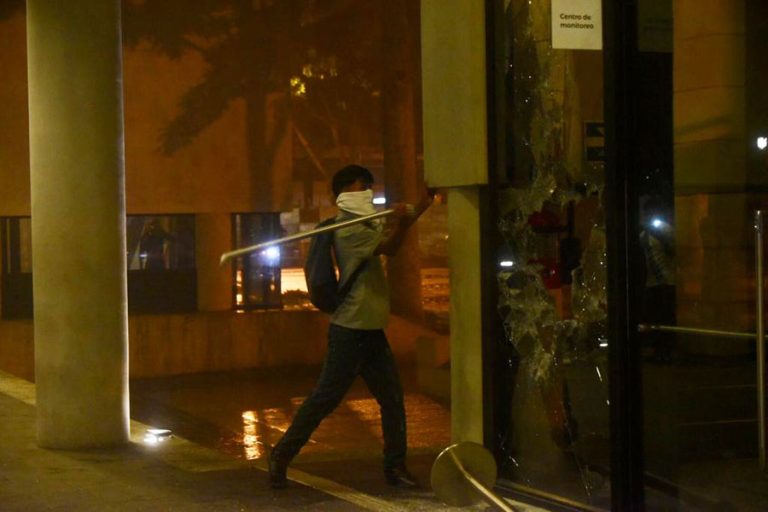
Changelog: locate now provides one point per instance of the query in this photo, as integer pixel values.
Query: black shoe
(400, 477)
(277, 472)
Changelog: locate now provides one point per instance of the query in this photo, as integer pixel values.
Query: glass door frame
(625, 67)
(621, 73)
(621, 83)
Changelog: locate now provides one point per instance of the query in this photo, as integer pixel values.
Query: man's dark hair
(348, 175)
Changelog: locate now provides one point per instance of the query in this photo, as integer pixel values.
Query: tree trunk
(255, 125)
(269, 152)
(402, 177)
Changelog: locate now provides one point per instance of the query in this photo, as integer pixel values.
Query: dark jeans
(352, 352)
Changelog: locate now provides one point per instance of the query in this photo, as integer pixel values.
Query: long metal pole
(760, 328)
(305, 234)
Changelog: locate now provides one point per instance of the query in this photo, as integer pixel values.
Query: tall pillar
(456, 157)
(78, 222)
(715, 237)
(466, 315)
(213, 236)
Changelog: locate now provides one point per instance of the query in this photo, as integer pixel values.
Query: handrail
(760, 328)
(758, 335)
(695, 330)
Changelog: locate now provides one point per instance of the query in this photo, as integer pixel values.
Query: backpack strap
(344, 290)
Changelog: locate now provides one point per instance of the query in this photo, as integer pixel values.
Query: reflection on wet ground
(240, 412)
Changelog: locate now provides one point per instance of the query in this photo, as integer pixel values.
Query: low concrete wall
(204, 342)
(162, 345)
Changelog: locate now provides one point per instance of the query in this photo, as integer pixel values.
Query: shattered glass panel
(553, 433)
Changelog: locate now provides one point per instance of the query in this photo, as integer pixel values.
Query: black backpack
(320, 272)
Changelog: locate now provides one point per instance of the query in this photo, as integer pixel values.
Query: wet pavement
(137, 477)
(214, 459)
(241, 413)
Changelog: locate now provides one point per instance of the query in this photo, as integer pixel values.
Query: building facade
(605, 166)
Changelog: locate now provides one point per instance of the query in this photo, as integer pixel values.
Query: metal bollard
(463, 474)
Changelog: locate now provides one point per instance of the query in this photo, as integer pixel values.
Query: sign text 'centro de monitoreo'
(577, 24)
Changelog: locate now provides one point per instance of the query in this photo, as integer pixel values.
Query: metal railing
(758, 335)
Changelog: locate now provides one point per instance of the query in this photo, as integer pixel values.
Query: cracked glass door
(551, 411)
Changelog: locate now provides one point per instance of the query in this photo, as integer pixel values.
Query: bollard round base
(448, 480)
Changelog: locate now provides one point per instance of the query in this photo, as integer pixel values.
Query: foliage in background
(316, 54)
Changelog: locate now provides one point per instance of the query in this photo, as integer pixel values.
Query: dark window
(161, 265)
(256, 275)
(16, 271)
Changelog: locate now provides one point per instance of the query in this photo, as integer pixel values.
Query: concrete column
(715, 237)
(466, 314)
(78, 222)
(454, 90)
(213, 236)
(709, 95)
(456, 157)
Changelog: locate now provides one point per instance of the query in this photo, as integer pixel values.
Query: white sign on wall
(577, 24)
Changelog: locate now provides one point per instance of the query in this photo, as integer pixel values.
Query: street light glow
(272, 254)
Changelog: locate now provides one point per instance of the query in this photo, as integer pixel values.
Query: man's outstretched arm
(400, 221)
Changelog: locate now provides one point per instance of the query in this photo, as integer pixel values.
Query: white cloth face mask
(357, 203)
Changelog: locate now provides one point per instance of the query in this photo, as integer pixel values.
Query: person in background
(657, 239)
(152, 247)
